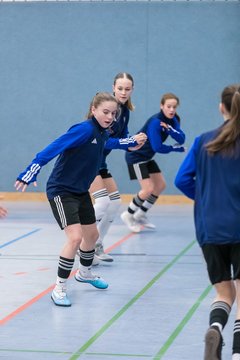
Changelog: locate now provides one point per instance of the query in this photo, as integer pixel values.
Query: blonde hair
(98, 99)
(227, 140)
(124, 75)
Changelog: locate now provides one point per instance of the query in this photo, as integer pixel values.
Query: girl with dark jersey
(80, 152)
(104, 188)
(142, 167)
(210, 175)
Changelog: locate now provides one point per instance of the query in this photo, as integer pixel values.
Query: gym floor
(156, 306)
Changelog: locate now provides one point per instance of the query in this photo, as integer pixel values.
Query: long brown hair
(169, 96)
(98, 99)
(227, 140)
(123, 75)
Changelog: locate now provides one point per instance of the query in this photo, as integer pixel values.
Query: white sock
(104, 225)
(236, 356)
(101, 203)
(85, 271)
(60, 283)
(218, 325)
(139, 214)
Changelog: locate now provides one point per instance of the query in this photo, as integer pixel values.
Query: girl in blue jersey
(104, 188)
(210, 175)
(142, 167)
(80, 152)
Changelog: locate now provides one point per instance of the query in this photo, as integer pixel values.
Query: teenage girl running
(142, 167)
(104, 188)
(80, 152)
(210, 175)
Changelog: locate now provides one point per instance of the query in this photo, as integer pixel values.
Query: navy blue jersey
(157, 135)
(214, 183)
(80, 152)
(118, 129)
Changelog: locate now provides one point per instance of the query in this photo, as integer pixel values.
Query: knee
(159, 188)
(75, 241)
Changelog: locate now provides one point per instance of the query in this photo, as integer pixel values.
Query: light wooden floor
(156, 306)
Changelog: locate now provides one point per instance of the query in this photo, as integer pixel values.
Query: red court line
(45, 292)
(26, 305)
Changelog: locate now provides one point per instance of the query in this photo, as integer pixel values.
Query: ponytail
(227, 140)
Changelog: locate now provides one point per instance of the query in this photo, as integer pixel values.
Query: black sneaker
(213, 344)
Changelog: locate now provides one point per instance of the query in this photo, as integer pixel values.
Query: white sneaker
(143, 220)
(129, 220)
(92, 279)
(59, 296)
(101, 255)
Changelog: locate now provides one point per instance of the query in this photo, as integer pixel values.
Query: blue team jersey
(118, 129)
(214, 183)
(80, 152)
(156, 137)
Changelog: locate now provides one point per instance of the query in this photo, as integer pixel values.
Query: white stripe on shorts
(60, 211)
(137, 170)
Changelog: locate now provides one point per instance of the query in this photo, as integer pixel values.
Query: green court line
(181, 325)
(79, 352)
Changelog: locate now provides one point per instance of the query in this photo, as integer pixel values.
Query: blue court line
(19, 238)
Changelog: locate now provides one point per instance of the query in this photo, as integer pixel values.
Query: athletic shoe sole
(212, 343)
(105, 258)
(97, 283)
(60, 302)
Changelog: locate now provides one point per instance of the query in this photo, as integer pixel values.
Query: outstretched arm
(175, 132)
(154, 136)
(126, 143)
(76, 135)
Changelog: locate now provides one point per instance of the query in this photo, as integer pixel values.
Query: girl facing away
(143, 168)
(210, 175)
(79, 152)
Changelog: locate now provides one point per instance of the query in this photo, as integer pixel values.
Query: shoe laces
(61, 289)
(89, 276)
(99, 249)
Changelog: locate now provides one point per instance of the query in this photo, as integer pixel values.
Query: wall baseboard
(126, 198)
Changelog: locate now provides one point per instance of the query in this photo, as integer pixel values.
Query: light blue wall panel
(55, 56)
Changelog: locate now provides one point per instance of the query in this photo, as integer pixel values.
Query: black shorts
(104, 173)
(142, 170)
(73, 209)
(223, 262)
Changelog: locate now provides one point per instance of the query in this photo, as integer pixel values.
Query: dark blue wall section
(55, 56)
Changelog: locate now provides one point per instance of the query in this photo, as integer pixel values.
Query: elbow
(177, 183)
(180, 182)
(182, 140)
